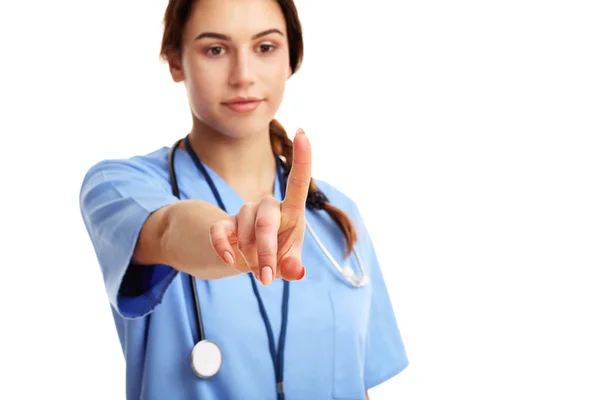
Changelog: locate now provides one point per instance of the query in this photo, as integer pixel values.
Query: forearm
(179, 235)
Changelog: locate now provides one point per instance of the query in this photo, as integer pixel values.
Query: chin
(244, 128)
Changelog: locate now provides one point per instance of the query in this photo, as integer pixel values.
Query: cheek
(277, 82)
(203, 93)
(199, 99)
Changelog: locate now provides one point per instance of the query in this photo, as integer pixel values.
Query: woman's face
(234, 49)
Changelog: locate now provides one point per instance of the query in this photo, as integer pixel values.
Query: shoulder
(140, 179)
(150, 168)
(338, 198)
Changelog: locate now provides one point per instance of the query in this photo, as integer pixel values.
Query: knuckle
(246, 211)
(247, 207)
(220, 242)
(269, 203)
(265, 252)
(245, 246)
(214, 230)
(292, 207)
(269, 200)
(265, 258)
(299, 183)
(264, 223)
(302, 162)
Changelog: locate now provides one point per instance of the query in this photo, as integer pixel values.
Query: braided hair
(283, 146)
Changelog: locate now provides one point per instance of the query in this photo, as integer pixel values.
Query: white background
(467, 132)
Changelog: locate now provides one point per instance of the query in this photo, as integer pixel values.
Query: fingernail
(303, 273)
(266, 275)
(228, 258)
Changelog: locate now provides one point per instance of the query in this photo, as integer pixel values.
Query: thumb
(290, 265)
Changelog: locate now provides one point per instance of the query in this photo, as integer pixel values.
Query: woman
(183, 235)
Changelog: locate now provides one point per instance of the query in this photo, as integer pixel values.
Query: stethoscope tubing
(277, 356)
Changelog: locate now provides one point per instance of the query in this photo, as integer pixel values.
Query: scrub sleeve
(116, 198)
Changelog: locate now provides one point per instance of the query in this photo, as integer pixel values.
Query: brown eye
(265, 48)
(215, 51)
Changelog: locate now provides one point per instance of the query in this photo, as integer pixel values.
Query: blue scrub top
(341, 341)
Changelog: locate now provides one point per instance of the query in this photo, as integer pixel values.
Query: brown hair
(176, 16)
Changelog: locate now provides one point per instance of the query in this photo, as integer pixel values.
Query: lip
(242, 104)
(241, 100)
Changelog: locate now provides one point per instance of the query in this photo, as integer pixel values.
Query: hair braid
(283, 146)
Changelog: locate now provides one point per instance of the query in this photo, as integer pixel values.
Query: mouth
(243, 104)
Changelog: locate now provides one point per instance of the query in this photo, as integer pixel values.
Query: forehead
(239, 19)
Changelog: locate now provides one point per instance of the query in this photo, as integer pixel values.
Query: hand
(266, 238)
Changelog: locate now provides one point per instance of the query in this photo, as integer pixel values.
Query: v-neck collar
(231, 198)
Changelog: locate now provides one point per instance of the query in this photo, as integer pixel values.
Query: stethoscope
(206, 357)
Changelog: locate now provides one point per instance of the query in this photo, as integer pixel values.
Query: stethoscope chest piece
(206, 359)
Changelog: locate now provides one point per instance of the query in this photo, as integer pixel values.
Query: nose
(241, 71)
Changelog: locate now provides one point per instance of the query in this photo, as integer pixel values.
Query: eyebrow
(221, 36)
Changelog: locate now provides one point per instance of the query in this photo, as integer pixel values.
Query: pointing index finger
(299, 180)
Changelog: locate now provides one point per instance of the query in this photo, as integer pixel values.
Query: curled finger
(268, 218)
(291, 265)
(246, 218)
(220, 234)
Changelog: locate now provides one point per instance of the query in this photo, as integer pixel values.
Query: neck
(246, 164)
